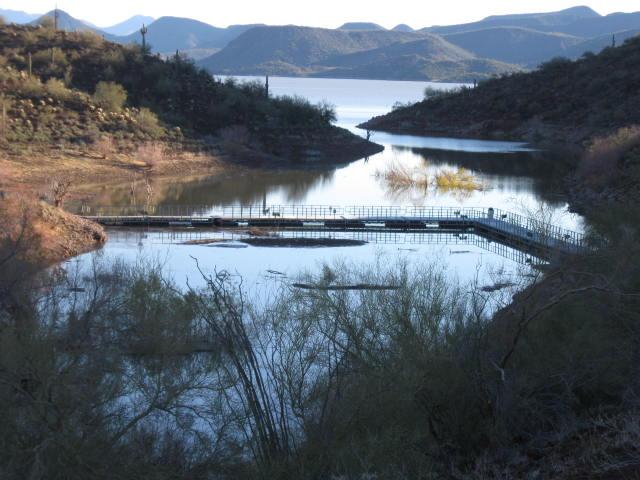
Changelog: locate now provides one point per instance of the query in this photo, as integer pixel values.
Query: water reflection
(516, 177)
(519, 181)
(520, 172)
(246, 187)
(468, 258)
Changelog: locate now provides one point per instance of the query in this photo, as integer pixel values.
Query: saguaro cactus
(143, 31)
(56, 18)
(4, 115)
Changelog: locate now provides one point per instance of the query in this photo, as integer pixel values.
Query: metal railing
(498, 220)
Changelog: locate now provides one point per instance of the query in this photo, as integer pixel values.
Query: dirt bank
(43, 234)
(34, 170)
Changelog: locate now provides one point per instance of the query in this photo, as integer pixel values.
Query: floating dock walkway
(516, 231)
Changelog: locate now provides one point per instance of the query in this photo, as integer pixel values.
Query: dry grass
(90, 171)
(601, 165)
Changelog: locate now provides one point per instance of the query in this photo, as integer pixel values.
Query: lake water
(513, 177)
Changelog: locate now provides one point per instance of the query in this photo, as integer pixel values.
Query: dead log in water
(328, 288)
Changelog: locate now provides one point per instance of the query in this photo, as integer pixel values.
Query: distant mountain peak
(572, 13)
(66, 22)
(129, 25)
(403, 27)
(361, 26)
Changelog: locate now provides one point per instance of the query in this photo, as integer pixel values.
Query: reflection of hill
(543, 170)
(247, 187)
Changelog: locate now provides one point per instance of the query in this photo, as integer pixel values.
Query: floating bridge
(516, 231)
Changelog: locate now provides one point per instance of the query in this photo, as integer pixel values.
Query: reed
(459, 179)
(398, 176)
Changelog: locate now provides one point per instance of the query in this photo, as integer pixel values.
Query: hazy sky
(323, 13)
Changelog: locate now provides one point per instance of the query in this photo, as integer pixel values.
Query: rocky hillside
(63, 88)
(290, 47)
(562, 102)
(430, 57)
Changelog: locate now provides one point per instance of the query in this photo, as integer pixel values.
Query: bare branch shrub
(235, 134)
(105, 146)
(151, 154)
(59, 190)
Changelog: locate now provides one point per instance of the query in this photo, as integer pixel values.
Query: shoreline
(26, 179)
(34, 171)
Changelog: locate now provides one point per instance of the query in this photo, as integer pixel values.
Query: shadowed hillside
(563, 101)
(593, 27)
(431, 58)
(268, 49)
(596, 45)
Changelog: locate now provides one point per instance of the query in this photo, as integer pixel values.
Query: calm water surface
(514, 177)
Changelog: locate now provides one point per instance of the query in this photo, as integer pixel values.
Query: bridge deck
(508, 228)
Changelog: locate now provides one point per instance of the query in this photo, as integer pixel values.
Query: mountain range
(15, 16)
(129, 26)
(465, 52)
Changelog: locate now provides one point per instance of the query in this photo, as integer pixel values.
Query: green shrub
(57, 89)
(110, 96)
(48, 59)
(90, 39)
(32, 87)
(148, 123)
